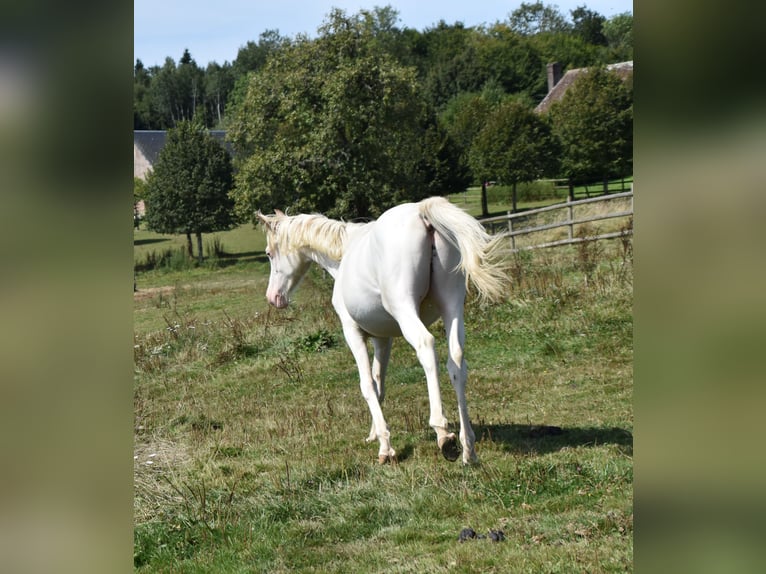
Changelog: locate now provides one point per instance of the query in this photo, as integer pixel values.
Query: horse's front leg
(382, 352)
(357, 342)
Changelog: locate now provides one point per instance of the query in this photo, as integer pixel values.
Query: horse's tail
(481, 259)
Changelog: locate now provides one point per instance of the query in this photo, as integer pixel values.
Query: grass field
(250, 426)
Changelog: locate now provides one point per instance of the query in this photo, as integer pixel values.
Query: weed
(289, 364)
(589, 252)
(214, 248)
(172, 259)
(319, 341)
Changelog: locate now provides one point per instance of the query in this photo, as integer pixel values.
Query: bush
(169, 259)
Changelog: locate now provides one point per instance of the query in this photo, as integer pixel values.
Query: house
(558, 84)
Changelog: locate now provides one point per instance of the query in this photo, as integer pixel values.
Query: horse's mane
(315, 231)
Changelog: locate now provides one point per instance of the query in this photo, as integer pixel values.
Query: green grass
(499, 197)
(253, 423)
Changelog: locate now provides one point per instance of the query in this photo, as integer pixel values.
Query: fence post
(510, 230)
(570, 210)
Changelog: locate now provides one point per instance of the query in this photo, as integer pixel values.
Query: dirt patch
(147, 292)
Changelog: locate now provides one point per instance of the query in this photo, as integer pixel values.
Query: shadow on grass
(229, 259)
(149, 241)
(404, 453)
(528, 439)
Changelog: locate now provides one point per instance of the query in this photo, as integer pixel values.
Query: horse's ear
(279, 212)
(265, 221)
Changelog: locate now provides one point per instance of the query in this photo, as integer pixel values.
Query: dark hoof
(450, 449)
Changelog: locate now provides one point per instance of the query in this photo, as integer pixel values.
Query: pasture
(250, 427)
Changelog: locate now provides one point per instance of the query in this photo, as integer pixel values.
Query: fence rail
(507, 222)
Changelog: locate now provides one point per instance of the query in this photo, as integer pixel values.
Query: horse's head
(288, 265)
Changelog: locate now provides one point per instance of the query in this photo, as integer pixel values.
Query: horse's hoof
(449, 448)
(390, 457)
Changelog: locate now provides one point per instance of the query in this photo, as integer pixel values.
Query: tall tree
(463, 117)
(589, 25)
(447, 62)
(177, 92)
(188, 189)
(594, 123)
(333, 125)
(253, 55)
(509, 60)
(618, 31)
(514, 146)
(142, 79)
(190, 86)
(219, 82)
(532, 18)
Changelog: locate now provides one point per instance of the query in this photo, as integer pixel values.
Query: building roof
(622, 69)
(150, 142)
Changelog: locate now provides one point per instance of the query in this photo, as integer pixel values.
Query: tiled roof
(622, 69)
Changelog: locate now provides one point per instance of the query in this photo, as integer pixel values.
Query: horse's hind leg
(422, 341)
(382, 352)
(458, 375)
(448, 289)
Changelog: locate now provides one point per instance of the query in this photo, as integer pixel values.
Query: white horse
(394, 277)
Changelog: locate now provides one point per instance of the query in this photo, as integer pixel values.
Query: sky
(214, 31)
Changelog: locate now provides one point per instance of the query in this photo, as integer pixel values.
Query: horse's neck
(331, 262)
(327, 263)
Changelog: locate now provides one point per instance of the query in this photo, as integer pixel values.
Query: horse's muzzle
(279, 300)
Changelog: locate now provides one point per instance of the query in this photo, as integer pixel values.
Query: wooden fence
(512, 224)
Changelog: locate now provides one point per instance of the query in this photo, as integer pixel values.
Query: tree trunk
(484, 208)
(606, 185)
(513, 197)
(571, 190)
(189, 248)
(199, 248)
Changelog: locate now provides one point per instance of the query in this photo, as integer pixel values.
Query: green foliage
(252, 56)
(594, 123)
(187, 191)
(618, 31)
(532, 18)
(139, 189)
(450, 59)
(319, 341)
(570, 50)
(465, 115)
(589, 25)
(336, 125)
(464, 60)
(368, 114)
(514, 145)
